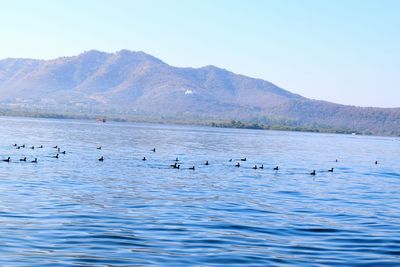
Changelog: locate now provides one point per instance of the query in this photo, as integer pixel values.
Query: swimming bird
(154, 150)
(230, 160)
(7, 160)
(99, 147)
(55, 146)
(244, 159)
(313, 172)
(144, 158)
(34, 161)
(330, 170)
(177, 167)
(237, 165)
(58, 149)
(176, 159)
(376, 162)
(262, 166)
(32, 147)
(63, 152)
(276, 168)
(41, 146)
(18, 147)
(192, 168)
(23, 146)
(56, 156)
(23, 159)
(336, 160)
(206, 163)
(173, 165)
(101, 158)
(255, 167)
(15, 145)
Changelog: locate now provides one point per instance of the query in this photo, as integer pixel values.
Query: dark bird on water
(41, 146)
(336, 160)
(23, 146)
(237, 165)
(56, 156)
(206, 163)
(15, 145)
(176, 159)
(144, 158)
(154, 150)
(192, 168)
(23, 159)
(34, 161)
(55, 146)
(330, 170)
(32, 147)
(174, 165)
(101, 158)
(262, 166)
(276, 168)
(99, 147)
(7, 160)
(230, 160)
(313, 172)
(243, 159)
(255, 167)
(376, 162)
(63, 152)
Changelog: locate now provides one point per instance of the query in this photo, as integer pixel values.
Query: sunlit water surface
(125, 211)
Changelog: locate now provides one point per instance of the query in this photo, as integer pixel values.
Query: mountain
(128, 82)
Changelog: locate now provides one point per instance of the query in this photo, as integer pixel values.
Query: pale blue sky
(345, 51)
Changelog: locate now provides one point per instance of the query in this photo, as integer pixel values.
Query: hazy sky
(345, 51)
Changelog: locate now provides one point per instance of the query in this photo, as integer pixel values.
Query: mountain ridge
(134, 82)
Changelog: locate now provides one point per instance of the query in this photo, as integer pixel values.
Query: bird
(15, 145)
(206, 163)
(99, 147)
(144, 158)
(34, 161)
(101, 158)
(255, 167)
(244, 159)
(330, 170)
(262, 166)
(23, 159)
(18, 147)
(192, 168)
(58, 149)
(376, 162)
(176, 159)
(230, 160)
(56, 156)
(23, 146)
(41, 146)
(276, 168)
(7, 160)
(63, 152)
(174, 165)
(313, 173)
(336, 160)
(55, 146)
(32, 147)
(177, 167)
(154, 150)
(237, 165)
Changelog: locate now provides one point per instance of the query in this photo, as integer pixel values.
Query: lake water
(124, 211)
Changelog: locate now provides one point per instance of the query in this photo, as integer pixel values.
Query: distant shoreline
(216, 123)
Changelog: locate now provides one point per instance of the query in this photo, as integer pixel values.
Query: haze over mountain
(128, 82)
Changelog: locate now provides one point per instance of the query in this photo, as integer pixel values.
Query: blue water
(77, 211)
